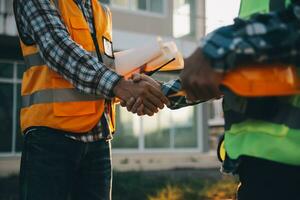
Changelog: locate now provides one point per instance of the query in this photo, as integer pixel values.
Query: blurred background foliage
(188, 184)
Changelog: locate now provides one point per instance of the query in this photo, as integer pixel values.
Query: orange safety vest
(263, 80)
(50, 100)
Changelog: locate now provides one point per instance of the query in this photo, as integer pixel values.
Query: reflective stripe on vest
(37, 60)
(265, 140)
(56, 96)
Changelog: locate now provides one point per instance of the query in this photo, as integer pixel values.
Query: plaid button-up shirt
(40, 23)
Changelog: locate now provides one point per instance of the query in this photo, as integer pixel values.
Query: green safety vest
(269, 127)
(249, 7)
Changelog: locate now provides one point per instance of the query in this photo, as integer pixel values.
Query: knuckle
(143, 84)
(143, 93)
(134, 110)
(150, 113)
(140, 110)
(147, 87)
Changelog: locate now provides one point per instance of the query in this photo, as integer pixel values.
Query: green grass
(173, 185)
(188, 184)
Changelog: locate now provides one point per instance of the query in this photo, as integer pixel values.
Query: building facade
(135, 23)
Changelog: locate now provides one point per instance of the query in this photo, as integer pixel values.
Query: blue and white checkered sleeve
(171, 90)
(264, 38)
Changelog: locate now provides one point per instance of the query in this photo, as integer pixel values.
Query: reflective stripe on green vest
(262, 139)
(249, 7)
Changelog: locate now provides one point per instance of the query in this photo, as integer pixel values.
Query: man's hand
(198, 79)
(136, 106)
(146, 95)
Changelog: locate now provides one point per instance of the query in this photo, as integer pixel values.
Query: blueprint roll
(162, 56)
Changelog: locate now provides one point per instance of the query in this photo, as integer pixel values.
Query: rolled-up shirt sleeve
(171, 90)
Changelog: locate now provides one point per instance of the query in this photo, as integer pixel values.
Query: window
(157, 130)
(155, 6)
(10, 104)
(165, 130)
(171, 129)
(6, 108)
(184, 18)
(152, 6)
(128, 128)
(121, 3)
(7, 21)
(215, 113)
(105, 1)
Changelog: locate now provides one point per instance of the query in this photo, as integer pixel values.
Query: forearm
(62, 54)
(264, 38)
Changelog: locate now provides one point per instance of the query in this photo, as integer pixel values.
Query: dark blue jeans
(54, 167)
(267, 180)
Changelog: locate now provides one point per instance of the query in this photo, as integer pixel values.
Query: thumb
(137, 77)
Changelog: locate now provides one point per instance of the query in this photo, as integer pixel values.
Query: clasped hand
(141, 95)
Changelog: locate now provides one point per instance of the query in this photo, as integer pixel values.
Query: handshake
(141, 94)
(199, 82)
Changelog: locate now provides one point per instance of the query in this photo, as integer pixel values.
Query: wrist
(118, 87)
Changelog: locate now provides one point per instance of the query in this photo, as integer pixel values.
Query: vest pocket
(69, 102)
(80, 32)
